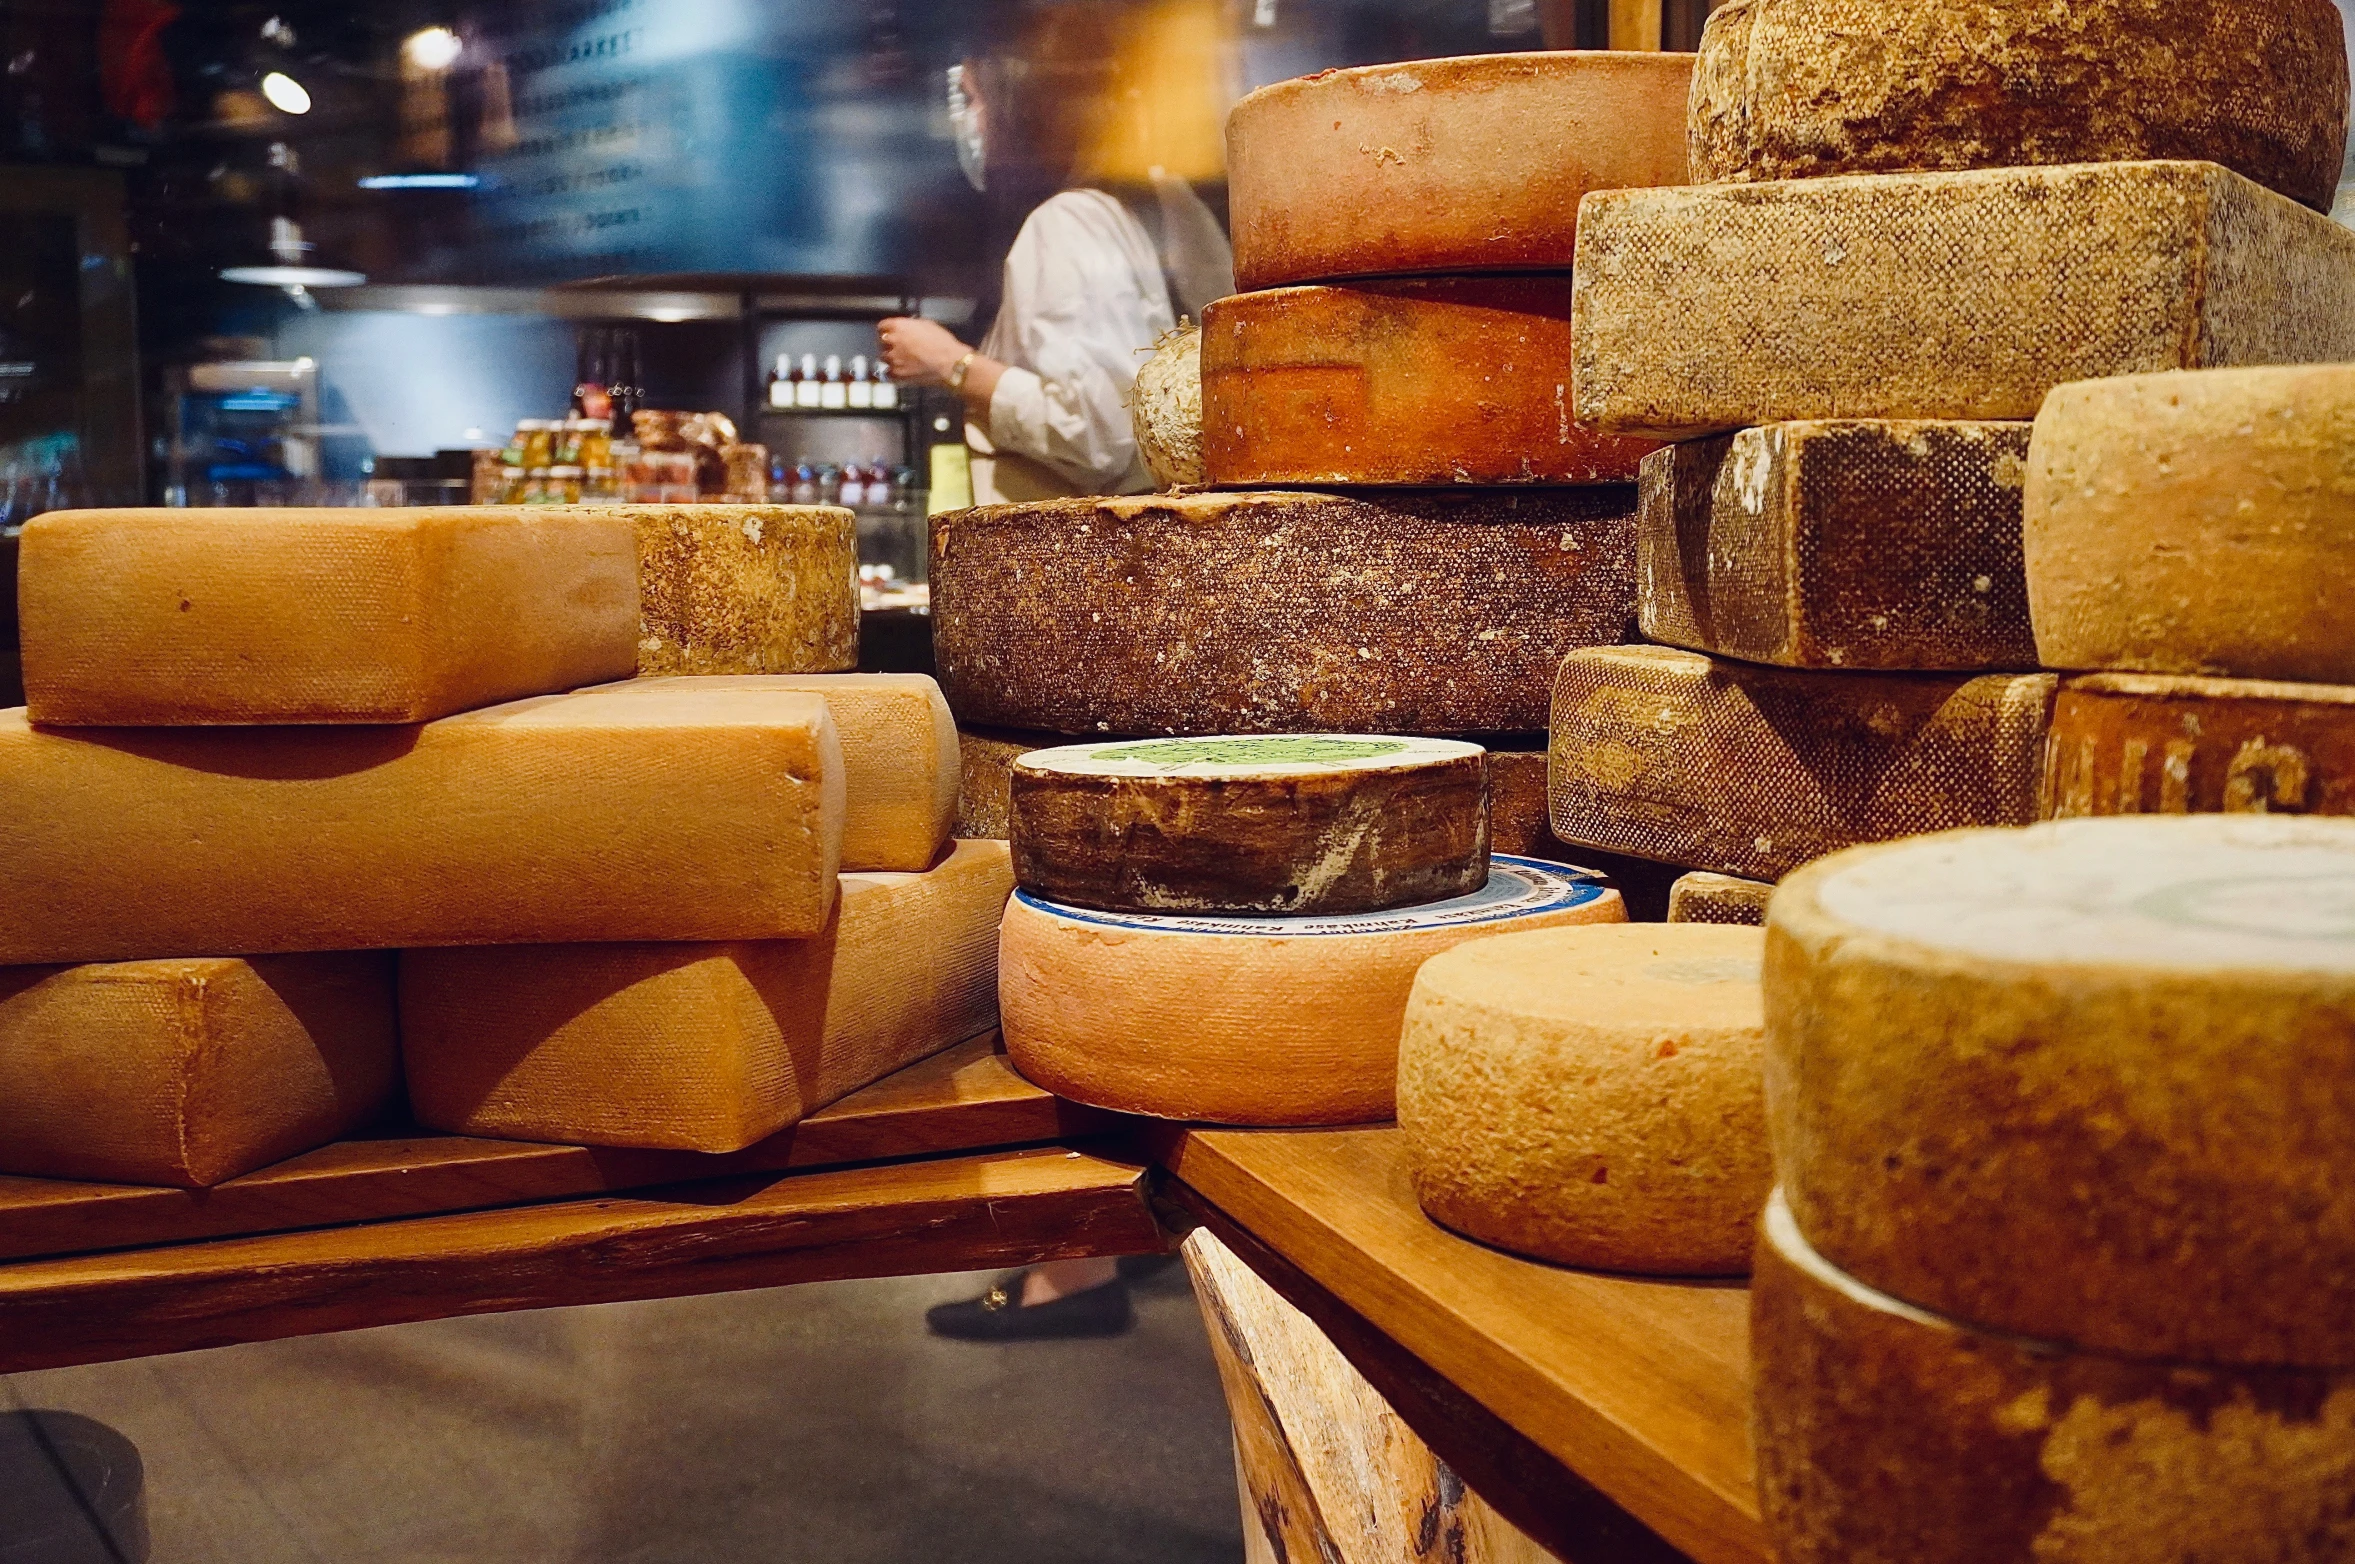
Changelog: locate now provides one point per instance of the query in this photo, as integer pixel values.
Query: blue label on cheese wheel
(1516, 888)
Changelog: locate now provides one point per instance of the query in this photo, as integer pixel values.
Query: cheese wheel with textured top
(747, 588)
(2162, 744)
(1462, 165)
(176, 618)
(1592, 1096)
(1247, 1020)
(2093, 1081)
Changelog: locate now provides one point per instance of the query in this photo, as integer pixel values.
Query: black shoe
(999, 1314)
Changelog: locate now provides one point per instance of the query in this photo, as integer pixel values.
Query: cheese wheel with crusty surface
(747, 588)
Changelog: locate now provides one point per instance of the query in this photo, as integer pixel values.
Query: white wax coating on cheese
(1516, 888)
(1246, 755)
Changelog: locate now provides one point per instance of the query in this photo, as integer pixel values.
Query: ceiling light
(432, 49)
(286, 95)
(421, 182)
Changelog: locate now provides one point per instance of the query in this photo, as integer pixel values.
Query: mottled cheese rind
(1752, 771)
(1959, 295)
(664, 811)
(2163, 744)
(176, 618)
(185, 1072)
(2126, 1046)
(1165, 407)
(1886, 1433)
(1416, 380)
(1459, 165)
(985, 779)
(747, 588)
(1592, 1096)
(1276, 612)
(2198, 523)
(1858, 543)
(704, 1046)
(1702, 897)
(1792, 89)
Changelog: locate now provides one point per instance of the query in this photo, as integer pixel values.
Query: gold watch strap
(959, 370)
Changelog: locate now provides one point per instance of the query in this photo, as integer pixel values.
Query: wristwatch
(959, 370)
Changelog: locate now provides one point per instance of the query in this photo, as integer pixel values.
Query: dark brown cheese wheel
(1299, 824)
(1277, 612)
(985, 778)
(2159, 744)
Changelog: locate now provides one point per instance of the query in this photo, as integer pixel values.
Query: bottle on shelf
(805, 483)
(862, 390)
(834, 393)
(886, 392)
(784, 381)
(805, 390)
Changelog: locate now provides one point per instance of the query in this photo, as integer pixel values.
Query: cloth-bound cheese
(1592, 1096)
(1964, 295)
(747, 588)
(2160, 744)
(2092, 1082)
(1251, 1020)
(1462, 165)
(700, 1046)
(175, 618)
(1702, 897)
(190, 1071)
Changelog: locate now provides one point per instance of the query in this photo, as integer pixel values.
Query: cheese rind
(1276, 612)
(1702, 897)
(1965, 295)
(186, 1072)
(1459, 165)
(2130, 1042)
(1884, 1433)
(1856, 543)
(1246, 1020)
(1415, 380)
(1592, 1096)
(2196, 523)
(1752, 771)
(1791, 89)
(1165, 405)
(704, 1046)
(985, 780)
(747, 588)
(671, 810)
(2160, 744)
(178, 618)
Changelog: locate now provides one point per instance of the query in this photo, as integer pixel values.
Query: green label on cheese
(1279, 750)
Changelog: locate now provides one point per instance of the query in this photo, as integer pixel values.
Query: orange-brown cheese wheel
(1461, 165)
(2163, 744)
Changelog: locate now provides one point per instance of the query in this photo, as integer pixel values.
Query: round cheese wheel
(1246, 1020)
(1884, 1433)
(1297, 823)
(1473, 164)
(1592, 1095)
(2092, 1081)
(985, 767)
(1165, 405)
(1420, 380)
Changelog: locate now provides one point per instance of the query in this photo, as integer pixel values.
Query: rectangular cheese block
(705, 1047)
(1951, 295)
(190, 1071)
(1752, 771)
(747, 588)
(666, 811)
(173, 618)
(1850, 543)
(1702, 897)
(2166, 744)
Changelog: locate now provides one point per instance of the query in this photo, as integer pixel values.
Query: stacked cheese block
(263, 750)
(1409, 527)
(1916, 221)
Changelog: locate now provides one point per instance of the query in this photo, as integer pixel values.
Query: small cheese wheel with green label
(1275, 1021)
(1301, 824)
(2092, 1081)
(1592, 1096)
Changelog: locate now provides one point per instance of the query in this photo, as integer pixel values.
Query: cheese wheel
(1165, 405)
(2130, 1043)
(1297, 823)
(1966, 295)
(1201, 614)
(1517, 821)
(1246, 1020)
(176, 618)
(1702, 897)
(986, 778)
(1430, 380)
(2159, 744)
(1886, 1433)
(1592, 1095)
(1789, 89)
(1462, 165)
(659, 811)
(704, 1046)
(2196, 524)
(1752, 771)
(1857, 543)
(190, 1071)
(747, 588)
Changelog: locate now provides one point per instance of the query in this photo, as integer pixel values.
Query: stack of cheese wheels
(2062, 1117)
(1909, 224)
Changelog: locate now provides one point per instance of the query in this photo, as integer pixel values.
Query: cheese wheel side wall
(2159, 744)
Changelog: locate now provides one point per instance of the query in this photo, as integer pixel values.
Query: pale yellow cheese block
(173, 618)
(672, 810)
(1592, 1095)
(747, 588)
(188, 1072)
(1247, 1020)
(704, 1047)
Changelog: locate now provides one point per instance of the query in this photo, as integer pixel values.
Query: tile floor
(815, 1423)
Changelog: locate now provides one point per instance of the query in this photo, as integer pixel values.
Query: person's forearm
(981, 384)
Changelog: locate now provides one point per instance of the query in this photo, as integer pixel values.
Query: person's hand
(919, 352)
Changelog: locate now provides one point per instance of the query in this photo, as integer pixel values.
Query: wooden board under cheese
(176, 618)
(1702, 897)
(747, 588)
(1962, 295)
(2162, 744)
